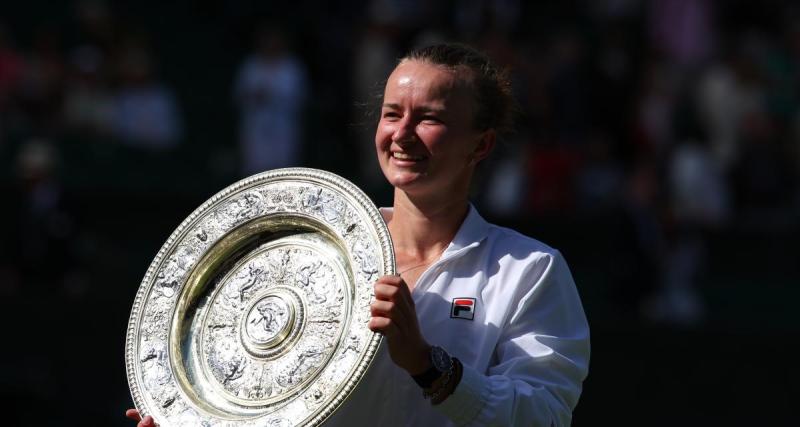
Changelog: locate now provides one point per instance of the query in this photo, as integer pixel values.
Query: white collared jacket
(506, 306)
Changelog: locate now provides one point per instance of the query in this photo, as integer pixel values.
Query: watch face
(440, 359)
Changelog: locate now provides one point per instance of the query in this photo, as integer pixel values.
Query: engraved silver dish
(255, 310)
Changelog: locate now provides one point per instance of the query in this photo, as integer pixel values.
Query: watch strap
(441, 362)
(426, 379)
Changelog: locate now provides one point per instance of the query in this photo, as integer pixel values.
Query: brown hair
(493, 99)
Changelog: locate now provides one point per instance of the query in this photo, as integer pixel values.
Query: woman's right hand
(134, 415)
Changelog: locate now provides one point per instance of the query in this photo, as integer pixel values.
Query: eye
(390, 115)
(431, 119)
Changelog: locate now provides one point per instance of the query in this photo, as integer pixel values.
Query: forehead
(428, 82)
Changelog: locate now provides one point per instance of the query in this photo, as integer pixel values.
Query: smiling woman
(483, 325)
(486, 321)
(434, 128)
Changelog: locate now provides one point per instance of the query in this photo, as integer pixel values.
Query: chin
(404, 180)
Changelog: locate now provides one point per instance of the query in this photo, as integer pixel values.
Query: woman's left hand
(394, 316)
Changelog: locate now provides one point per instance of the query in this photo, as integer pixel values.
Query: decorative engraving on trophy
(279, 266)
(167, 282)
(157, 371)
(233, 370)
(313, 398)
(281, 198)
(168, 401)
(279, 422)
(201, 234)
(328, 314)
(353, 343)
(171, 275)
(305, 274)
(312, 277)
(259, 385)
(189, 417)
(268, 318)
(310, 198)
(333, 209)
(226, 362)
(245, 206)
(155, 316)
(255, 275)
(305, 362)
(148, 353)
(216, 223)
(219, 326)
(184, 258)
(366, 259)
(329, 322)
(328, 204)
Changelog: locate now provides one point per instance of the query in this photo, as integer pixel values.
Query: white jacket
(525, 351)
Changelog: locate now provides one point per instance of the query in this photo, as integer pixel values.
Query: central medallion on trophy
(271, 322)
(268, 320)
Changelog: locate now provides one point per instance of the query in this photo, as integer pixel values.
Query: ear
(484, 147)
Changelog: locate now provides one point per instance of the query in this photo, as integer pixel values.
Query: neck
(421, 227)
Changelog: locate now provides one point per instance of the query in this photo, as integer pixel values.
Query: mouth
(406, 156)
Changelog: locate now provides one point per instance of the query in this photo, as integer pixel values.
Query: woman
(483, 326)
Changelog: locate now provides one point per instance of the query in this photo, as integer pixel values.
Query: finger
(381, 308)
(133, 414)
(147, 422)
(382, 325)
(392, 310)
(395, 282)
(391, 280)
(386, 292)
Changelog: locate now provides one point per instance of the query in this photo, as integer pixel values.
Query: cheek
(436, 140)
(382, 137)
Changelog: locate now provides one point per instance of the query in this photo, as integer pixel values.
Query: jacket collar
(472, 231)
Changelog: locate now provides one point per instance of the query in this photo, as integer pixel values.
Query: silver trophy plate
(255, 310)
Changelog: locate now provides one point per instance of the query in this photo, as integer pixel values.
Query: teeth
(404, 156)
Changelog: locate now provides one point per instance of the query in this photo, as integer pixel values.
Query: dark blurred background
(658, 147)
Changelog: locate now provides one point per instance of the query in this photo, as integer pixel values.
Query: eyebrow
(423, 109)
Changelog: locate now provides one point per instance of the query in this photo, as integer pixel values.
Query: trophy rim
(374, 223)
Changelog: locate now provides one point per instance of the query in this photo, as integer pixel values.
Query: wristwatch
(441, 362)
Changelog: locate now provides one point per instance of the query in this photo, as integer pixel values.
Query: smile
(404, 156)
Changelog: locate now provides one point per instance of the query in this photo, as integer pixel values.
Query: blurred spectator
(552, 169)
(655, 108)
(600, 178)
(698, 203)
(145, 110)
(765, 177)
(11, 66)
(270, 91)
(96, 25)
(681, 30)
(41, 87)
(88, 102)
(698, 194)
(638, 271)
(473, 16)
(41, 242)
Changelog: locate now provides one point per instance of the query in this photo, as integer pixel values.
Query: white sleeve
(541, 359)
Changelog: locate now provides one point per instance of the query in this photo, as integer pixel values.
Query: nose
(404, 132)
